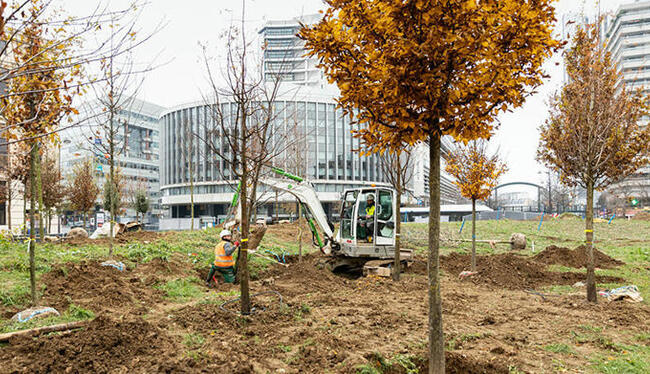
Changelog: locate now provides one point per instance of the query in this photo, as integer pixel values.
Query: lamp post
(548, 173)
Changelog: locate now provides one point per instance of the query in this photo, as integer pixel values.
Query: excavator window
(347, 213)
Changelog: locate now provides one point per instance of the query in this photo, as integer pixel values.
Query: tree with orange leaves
(476, 173)
(593, 135)
(36, 102)
(415, 70)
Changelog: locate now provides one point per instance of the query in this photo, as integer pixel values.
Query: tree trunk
(245, 225)
(39, 190)
(85, 217)
(398, 216)
(436, 339)
(299, 232)
(191, 188)
(9, 204)
(112, 194)
(589, 233)
(25, 207)
(277, 214)
(32, 239)
(473, 234)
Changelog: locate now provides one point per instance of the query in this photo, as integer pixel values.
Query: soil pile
(288, 232)
(103, 346)
(569, 216)
(512, 272)
(576, 258)
(99, 287)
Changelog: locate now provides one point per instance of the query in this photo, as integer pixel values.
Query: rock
(579, 284)
(77, 232)
(35, 312)
(517, 241)
(50, 239)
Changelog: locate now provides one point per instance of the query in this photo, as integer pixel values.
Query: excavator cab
(367, 223)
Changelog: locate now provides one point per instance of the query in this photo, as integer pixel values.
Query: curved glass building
(321, 148)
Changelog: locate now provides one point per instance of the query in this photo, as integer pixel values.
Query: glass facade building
(320, 147)
(138, 150)
(627, 35)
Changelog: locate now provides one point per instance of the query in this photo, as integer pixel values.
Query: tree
(114, 191)
(476, 173)
(245, 138)
(592, 136)
(53, 191)
(417, 70)
(82, 190)
(141, 203)
(397, 168)
(189, 152)
(37, 102)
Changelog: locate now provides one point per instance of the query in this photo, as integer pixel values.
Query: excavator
(352, 246)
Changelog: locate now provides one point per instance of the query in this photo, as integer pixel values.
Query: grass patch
(193, 341)
(182, 289)
(559, 348)
(628, 363)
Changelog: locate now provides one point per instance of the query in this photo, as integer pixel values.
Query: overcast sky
(191, 22)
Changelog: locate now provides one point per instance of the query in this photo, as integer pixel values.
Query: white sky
(190, 22)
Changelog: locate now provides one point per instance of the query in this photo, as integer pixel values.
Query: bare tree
(189, 151)
(244, 135)
(398, 169)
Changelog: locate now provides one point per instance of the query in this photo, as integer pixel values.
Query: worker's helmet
(370, 197)
(225, 233)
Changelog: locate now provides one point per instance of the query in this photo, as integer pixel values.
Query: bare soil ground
(326, 323)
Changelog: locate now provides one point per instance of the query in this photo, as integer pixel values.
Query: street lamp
(548, 173)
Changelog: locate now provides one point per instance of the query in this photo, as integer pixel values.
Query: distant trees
(113, 193)
(53, 190)
(82, 190)
(141, 204)
(592, 137)
(476, 173)
(414, 71)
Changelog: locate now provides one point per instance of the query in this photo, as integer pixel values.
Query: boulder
(77, 232)
(518, 241)
(50, 239)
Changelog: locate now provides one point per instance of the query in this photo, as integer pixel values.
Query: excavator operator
(369, 219)
(223, 260)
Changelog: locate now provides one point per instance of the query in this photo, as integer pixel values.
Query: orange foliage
(475, 171)
(412, 68)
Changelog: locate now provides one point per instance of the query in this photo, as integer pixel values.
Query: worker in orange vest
(223, 259)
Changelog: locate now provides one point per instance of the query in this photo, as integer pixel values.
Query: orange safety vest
(220, 258)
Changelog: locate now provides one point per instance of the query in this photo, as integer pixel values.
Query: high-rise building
(284, 53)
(627, 35)
(137, 153)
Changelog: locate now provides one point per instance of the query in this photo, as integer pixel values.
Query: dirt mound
(569, 216)
(576, 258)
(643, 215)
(105, 345)
(97, 287)
(288, 232)
(512, 272)
(126, 237)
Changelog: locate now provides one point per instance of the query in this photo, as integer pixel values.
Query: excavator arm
(305, 193)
